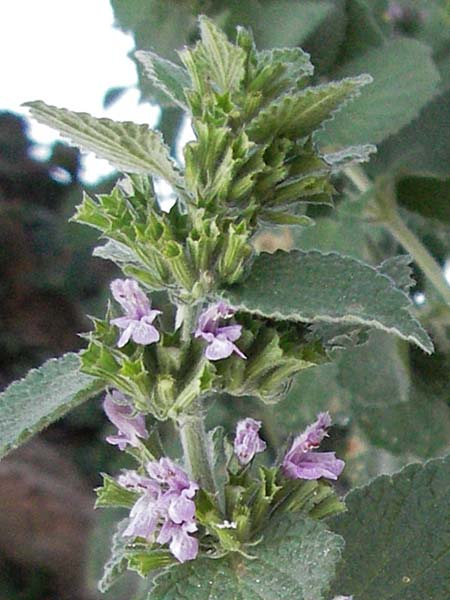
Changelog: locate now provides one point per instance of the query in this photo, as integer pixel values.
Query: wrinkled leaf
(127, 146)
(170, 78)
(397, 536)
(295, 560)
(326, 288)
(298, 115)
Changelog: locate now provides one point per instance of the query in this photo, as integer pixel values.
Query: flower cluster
(137, 324)
(165, 511)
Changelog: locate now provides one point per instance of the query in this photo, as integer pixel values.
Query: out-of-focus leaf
(375, 373)
(405, 79)
(362, 32)
(427, 196)
(419, 427)
(423, 146)
(398, 268)
(325, 43)
(276, 23)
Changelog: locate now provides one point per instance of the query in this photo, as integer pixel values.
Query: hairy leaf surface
(44, 395)
(405, 79)
(298, 115)
(129, 147)
(295, 560)
(170, 78)
(313, 287)
(397, 536)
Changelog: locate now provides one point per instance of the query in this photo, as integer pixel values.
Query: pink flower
(247, 441)
(165, 509)
(220, 338)
(139, 316)
(301, 462)
(130, 425)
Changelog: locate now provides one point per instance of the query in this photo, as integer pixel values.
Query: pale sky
(67, 53)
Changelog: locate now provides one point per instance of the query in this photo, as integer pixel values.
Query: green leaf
(118, 253)
(298, 115)
(226, 61)
(170, 78)
(278, 23)
(113, 494)
(127, 146)
(423, 146)
(43, 396)
(295, 560)
(105, 557)
(397, 536)
(398, 268)
(405, 79)
(326, 288)
(419, 427)
(375, 373)
(363, 32)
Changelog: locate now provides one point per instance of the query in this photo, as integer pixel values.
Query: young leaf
(405, 79)
(127, 146)
(225, 60)
(118, 253)
(299, 115)
(397, 536)
(44, 395)
(329, 288)
(170, 78)
(295, 560)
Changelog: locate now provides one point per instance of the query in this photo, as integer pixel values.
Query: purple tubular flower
(165, 511)
(247, 441)
(301, 462)
(131, 426)
(139, 316)
(220, 338)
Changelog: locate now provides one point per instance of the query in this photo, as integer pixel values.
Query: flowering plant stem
(195, 444)
(193, 436)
